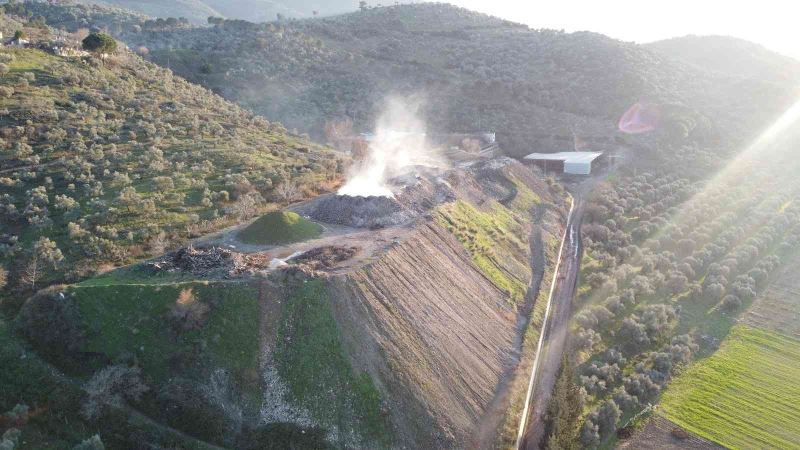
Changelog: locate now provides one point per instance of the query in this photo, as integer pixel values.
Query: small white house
(573, 163)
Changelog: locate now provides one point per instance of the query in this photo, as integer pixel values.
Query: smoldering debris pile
(361, 212)
(210, 260)
(325, 257)
(415, 194)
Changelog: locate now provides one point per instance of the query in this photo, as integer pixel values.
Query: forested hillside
(534, 87)
(107, 162)
(729, 55)
(197, 11)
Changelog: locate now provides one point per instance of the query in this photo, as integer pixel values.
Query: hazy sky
(772, 23)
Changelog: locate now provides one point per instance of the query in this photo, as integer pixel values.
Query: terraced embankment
(435, 332)
(438, 321)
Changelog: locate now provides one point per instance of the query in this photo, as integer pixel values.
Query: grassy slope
(126, 316)
(311, 358)
(744, 396)
(131, 318)
(496, 237)
(280, 227)
(25, 379)
(54, 402)
(507, 434)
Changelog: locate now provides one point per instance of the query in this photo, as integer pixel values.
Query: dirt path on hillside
(370, 244)
(496, 410)
(555, 333)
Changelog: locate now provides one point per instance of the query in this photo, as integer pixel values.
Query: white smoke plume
(399, 142)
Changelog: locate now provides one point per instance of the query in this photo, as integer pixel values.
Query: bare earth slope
(438, 334)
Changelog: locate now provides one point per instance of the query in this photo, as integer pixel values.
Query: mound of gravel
(361, 212)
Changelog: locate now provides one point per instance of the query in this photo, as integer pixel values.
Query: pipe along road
(553, 337)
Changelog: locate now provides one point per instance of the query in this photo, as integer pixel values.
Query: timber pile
(325, 257)
(211, 260)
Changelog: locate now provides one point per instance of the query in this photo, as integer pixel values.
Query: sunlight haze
(769, 23)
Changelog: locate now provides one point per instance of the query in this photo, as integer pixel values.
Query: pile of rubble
(209, 261)
(416, 194)
(324, 257)
(360, 212)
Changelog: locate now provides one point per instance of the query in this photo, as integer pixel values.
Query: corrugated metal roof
(567, 157)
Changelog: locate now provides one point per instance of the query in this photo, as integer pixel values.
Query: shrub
(634, 334)
(99, 43)
(188, 313)
(93, 443)
(600, 423)
(109, 388)
(51, 321)
(9, 439)
(731, 303)
(187, 408)
(642, 387)
(714, 291)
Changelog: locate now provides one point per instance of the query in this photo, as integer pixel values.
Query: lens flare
(640, 118)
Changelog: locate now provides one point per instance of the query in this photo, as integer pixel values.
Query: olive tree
(100, 44)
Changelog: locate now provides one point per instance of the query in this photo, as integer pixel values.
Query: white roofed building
(574, 163)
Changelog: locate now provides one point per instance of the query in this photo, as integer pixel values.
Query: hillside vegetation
(412, 349)
(670, 261)
(535, 88)
(729, 56)
(427, 340)
(197, 11)
(105, 164)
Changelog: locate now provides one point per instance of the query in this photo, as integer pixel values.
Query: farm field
(661, 434)
(745, 396)
(778, 308)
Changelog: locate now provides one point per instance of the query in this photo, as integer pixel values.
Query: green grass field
(132, 319)
(745, 396)
(280, 227)
(312, 359)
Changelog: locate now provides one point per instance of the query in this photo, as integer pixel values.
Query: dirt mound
(325, 257)
(361, 212)
(210, 261)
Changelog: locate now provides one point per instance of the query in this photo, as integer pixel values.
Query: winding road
(554, 334)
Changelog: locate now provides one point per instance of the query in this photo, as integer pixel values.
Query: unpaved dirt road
(369, 243)
(548, 358)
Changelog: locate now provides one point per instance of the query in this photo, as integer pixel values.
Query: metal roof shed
(575, 163)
